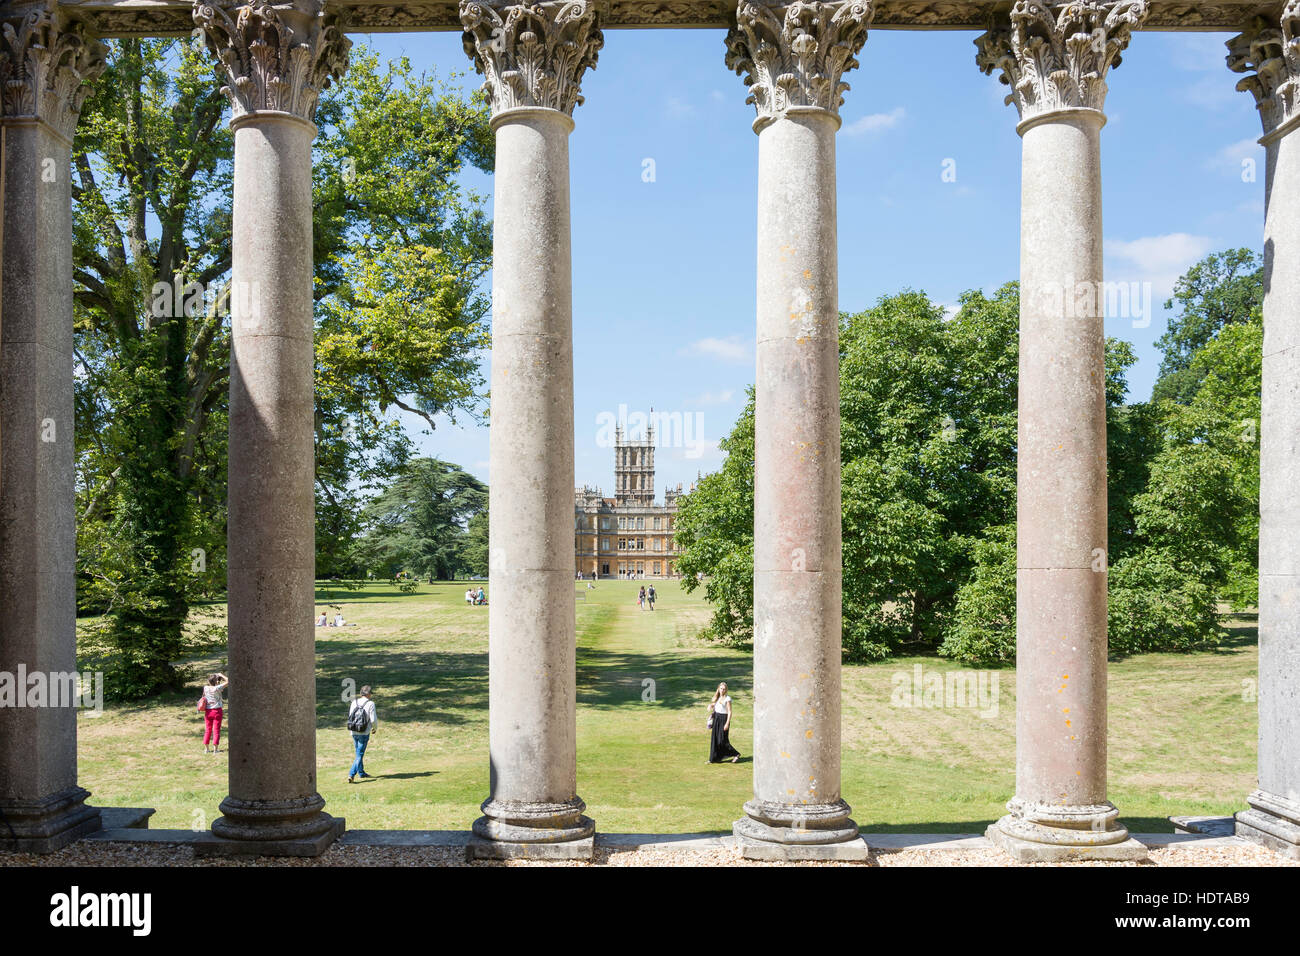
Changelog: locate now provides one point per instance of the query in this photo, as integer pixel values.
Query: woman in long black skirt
(720, 724)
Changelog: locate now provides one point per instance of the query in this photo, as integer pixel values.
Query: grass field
(1182, 727)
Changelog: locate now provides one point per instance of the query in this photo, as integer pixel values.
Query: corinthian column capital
(795, 55)
(533, 54)
(276, 58)
(46, 65)
(1055, 56)
(1270, 53)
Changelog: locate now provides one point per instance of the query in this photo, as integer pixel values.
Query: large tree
(422, 522)
(1222, 289)
(928, 442)
(928, 407)
(400, 250)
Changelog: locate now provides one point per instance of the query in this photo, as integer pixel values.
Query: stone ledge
(1206, 826)
(671, 842)
(125, 818)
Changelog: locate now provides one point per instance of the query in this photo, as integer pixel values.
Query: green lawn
(1182, 730)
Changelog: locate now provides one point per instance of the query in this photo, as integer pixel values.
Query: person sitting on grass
(323, 620)
(363, 720)
(470, 596)
(480, 598)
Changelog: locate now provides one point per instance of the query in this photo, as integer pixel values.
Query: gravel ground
(170, 854)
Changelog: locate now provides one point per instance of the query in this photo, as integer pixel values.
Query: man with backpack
(362, 721)
(650, 596)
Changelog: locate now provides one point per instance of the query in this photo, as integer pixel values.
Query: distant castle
(627, 536)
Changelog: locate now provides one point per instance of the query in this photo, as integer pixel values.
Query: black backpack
(358, 720)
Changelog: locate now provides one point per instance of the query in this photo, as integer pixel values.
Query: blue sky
(664, 271)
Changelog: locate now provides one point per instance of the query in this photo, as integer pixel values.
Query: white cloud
(731, 349)
(1160, 253)
(875, 122)
(1230, 158)
(678, 108)
(1199, 53)
(1159, 260)
(1214, 93)
(714, 398)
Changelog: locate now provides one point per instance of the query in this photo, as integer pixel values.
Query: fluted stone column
(533, 58)
(1055, 58)
(46, 63)
(1270, 53)
(792, 59)
(277, 60)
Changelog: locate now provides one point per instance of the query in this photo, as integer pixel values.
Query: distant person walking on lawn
(720, 748)
(650, 597)
(362, 721)
(213, 710)
(640, 598)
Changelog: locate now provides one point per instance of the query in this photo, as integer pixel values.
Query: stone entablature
(113, 18)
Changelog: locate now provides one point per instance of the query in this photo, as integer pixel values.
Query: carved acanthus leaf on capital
(46, 66)
(1056, 56)
(533, 54)
(796, 55)
(276, 58)
(1270, 53)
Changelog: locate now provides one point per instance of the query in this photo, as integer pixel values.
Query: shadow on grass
(436, 686)
(405, 776)
(1233, 641)
(612, 679)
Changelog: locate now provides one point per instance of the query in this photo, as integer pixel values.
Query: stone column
(792, 59)
(277, 60)
(1270, 53)
(1055, 58)
(45, 63)
(533, 58)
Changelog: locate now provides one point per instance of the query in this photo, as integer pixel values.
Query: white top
(723, 705)
(212, 695)
(369, 706)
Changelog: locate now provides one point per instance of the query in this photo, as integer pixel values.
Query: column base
(306, 846)
(783, 831)
(1040, 833)
(1272, 822)
(544, 831)
(295, 827)
(48, 824)
(480, 848)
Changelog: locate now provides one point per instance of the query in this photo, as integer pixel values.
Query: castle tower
(634, 468)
